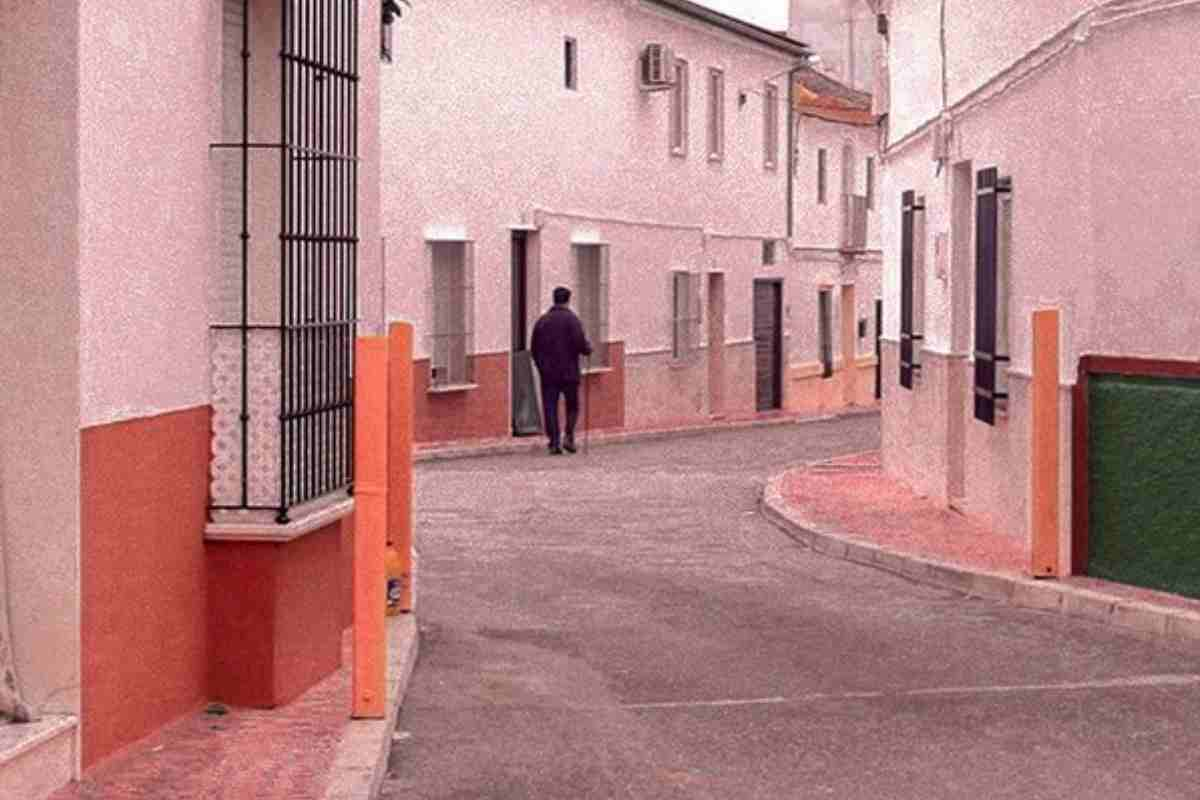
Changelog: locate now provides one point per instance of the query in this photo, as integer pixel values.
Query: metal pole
(587, 404)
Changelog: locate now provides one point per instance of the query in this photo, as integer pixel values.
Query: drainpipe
(791, 151)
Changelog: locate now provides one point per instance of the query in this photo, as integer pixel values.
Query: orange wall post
(400, 453)
(1044, 448)
(370, 521)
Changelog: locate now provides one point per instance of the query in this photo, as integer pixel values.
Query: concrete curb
(1043, 595)
(362, 754)
(537, 444)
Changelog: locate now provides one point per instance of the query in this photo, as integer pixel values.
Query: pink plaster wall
(39, 346)
(480, 130)
(148, 109)
(1103, 221)
(819, 225)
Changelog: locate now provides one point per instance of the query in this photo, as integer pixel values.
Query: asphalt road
(627, 625)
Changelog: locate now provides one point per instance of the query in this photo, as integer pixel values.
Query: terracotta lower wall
(144, 495)
(478, 413)
(811, 393)
(275, 616)
(606, 392)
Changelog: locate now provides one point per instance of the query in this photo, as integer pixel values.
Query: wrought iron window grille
(911, 205)
(311, 435)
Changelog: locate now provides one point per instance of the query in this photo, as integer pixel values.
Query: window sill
(451, 388)
(770, 166)
(715, 158)
(255, 526)
(678, 152)
(682, 363)
(596, 370)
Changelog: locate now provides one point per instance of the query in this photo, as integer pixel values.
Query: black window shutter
(908, 339)
(988, 186)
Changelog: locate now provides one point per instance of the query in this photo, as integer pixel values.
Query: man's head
(562, 296)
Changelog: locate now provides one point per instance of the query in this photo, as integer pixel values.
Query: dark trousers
(550, 393)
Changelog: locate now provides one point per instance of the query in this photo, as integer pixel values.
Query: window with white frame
(770, 126)
(716, 114)
(679, 109)
(685, 315)
(452, 301)
(591, 297)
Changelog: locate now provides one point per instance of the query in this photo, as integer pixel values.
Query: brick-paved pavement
(280, 754)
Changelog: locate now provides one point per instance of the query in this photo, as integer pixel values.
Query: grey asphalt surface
(626, 624)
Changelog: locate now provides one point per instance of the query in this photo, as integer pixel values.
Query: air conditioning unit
(657, 67)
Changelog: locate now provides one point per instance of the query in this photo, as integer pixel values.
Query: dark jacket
(557, 343)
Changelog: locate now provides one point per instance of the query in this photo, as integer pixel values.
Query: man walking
(557, 343)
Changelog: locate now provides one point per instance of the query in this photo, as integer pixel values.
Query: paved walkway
(306, 750)
(629, 625)
(847, 507)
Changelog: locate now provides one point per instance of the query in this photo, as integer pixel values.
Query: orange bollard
(400, 456)
(370, 526)
(1044, 447)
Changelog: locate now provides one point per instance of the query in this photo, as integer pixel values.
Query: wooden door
(768, 345)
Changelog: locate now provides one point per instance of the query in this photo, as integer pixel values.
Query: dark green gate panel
(1144, 482)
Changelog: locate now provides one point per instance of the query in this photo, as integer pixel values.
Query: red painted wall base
(275, 617)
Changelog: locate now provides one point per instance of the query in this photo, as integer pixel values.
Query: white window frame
(451, 336)
(593, 311)
(679, 109)
(716, 114)
(770, 126)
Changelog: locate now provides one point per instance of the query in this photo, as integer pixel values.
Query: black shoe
(555, 451)
(569, 445)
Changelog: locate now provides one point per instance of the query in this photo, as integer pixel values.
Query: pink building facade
(133, 598)
(1040, 164)
(525, 147)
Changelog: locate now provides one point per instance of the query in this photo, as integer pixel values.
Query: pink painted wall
(819, 225)
(1102, 224)
(148, 109)
(480, 130)
(39, 346)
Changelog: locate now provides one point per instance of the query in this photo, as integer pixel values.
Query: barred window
(453, 301)
(591, 297)
(679, 109)
(685, 315)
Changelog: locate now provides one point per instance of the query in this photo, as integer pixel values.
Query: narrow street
(626, 624)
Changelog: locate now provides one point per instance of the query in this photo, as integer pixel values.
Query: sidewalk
(309, 749)
(441, 451)
(846, 508)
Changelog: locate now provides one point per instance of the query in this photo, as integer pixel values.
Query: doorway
(768, 344)
(526, 417)
(716, 344)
